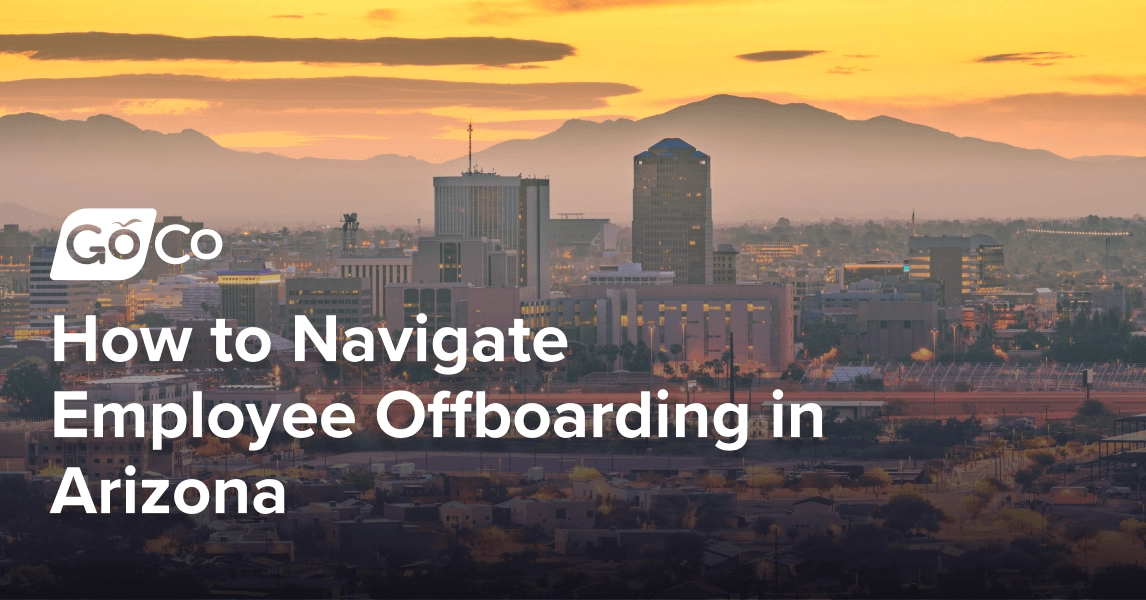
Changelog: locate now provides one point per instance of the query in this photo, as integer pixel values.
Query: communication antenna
(349, 233)
(470, 153)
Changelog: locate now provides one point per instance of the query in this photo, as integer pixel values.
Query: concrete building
(961, 264)
(583, 235)
(899, 328)
(672, 211)
(454, 305)
(48, 298)
(15, 259)
(250, 295)
(725, 265)
(698, 317)
(849, 273)
(348, 299)
(389, 265)
(514, 210)
(629, 274)
(13, 311)
(480, 262)
(547, 514)
(173, 296)
(456, 515)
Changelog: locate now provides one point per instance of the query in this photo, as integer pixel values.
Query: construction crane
(1098, 233)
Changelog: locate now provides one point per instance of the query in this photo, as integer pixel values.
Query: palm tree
(676, 350)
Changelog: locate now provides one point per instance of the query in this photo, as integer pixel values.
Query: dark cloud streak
(1038, 59)
(316, 93)
(101, 46)
(778, 55)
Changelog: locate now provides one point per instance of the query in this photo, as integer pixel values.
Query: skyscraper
(48, 298)
(510, 209)
(672, 211)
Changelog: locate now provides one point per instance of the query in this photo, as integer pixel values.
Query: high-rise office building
(514, 210)
(672, 211)
(15, 255)
(48, 298)
(960, 264)
(250, 296)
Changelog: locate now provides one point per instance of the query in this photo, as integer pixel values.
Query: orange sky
(1068, 77)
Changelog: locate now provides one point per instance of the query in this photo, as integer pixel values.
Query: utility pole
(731, 375)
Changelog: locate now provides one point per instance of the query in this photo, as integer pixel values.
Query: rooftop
(672, 144)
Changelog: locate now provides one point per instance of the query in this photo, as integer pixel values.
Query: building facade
(672, 211)
(480, 262)
(349, 299)
(725, 265)
(380, 270)
(629, 274)
(48, 298)
(695, 317)
(250, 297)
(961, 264)
(514, 210)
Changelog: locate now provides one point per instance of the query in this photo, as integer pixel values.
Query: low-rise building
(612, 543)
(547, 514)
(457, 515)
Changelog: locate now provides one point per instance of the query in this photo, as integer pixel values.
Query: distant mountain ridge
(768, 160)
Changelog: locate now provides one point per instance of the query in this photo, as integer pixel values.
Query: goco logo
(110, 244)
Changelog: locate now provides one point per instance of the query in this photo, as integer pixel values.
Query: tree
(580, 473)
(30, 389)
(676, 350)
(1030, 340)
(1093, 416)
(983, 348)
(819, 337)
(762, 525)
(764, 479)
(876, 479)
(151, 319)
(821, 481)
(909, 512)
(794, 372)
(610, 351)
(1135, 528)
(1023, 520)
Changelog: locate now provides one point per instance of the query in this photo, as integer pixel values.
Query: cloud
(842, 70)
(778, 55)
(347, 93)
(1035, 59)
(505, 11)
(101, 46)
(287, 17)
(382, 15)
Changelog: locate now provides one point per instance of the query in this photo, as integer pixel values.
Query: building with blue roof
(672, 211)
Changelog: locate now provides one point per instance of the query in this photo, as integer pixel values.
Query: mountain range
(768, 160)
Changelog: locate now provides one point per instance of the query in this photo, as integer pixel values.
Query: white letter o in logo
(214, 236)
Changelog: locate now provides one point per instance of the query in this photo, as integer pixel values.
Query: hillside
(769, 160)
